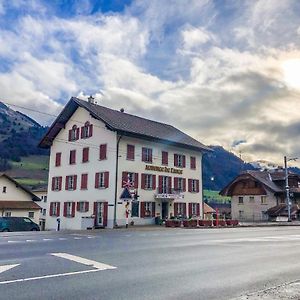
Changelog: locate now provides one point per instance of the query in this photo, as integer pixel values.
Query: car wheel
(5, 230)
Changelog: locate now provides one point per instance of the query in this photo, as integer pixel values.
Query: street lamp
(287, 188)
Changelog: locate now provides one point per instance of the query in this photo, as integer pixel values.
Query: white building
(94, 150)
(41, 193)
(16, 200)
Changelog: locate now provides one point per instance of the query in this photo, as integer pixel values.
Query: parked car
(18, 224)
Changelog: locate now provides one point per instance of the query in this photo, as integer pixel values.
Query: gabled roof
(124, 124)
(34, 197)
(281, 210)
(18, 205)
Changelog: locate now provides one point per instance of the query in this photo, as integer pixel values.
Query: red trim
(106, 179)
(143, 183)
(190, 209)
(103, 150)
(165, 158)
(153, 182)
(97, 176)
(105, 211)
(85, 154)
(142, 210)
(84, 181)
(58, 159)
(153, 209)
(130, 152)
(58, 209)
(73, 209)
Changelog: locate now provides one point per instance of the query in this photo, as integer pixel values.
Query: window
(58, 159)
(84, 181)
(241, 200)
(7, 214)
(148, 181)
(4, 189)
(45, 198)
(180, 209)
(44, 212)
(193, 162)
(179, 160)
(134, 208)
(56, 183)
(85, 155)
(69, 209)
(164, 158)
(194, 209)
(132, 178)
(181, 185)
(251, 199)
(101, 180)
(263, 199)
(71, 182)
(130, 152)
(31, 214)
(103, 152)
(148, 209)
(194, 185)
(83, 206)
(54, 209)
(165, 184)
(72, 158)
(86, 130)
(147, 155)
(74, 133)
(241, 214)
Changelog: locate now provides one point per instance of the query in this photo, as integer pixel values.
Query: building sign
(163, 169)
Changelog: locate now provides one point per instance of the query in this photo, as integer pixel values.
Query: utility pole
(287, 189)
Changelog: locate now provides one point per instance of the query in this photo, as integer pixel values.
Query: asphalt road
(145, 263)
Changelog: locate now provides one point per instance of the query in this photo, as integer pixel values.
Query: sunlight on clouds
(291, 73)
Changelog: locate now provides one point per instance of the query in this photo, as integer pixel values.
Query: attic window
(4, 189)
(86, 130)
(74, 133)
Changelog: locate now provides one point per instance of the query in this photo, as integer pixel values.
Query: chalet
(96, 151)
(41, 193)
(16, 200)
(258, 195)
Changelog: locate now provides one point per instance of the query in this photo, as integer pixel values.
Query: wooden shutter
(175, 209)
(153, 182)
(105, 211)
(124, 178)
(144, 154)
(84, 180)
(78, 206)
(77, 133)
(130, 152)
(75, 182)
(85, 154)
(184, 209)
(164, 158)
(72, 156)
(73, 209)
(176, 179)
(142, 209)
(190, 185)
(58, 209)
(103, 150)
(190, 209)
(51, 209)
(198, 209)
(184, 185)
(91, 130)
(97, 176)
(65, 209)
(197, 186)
(136, 180)
(150, 155)
(160, 181)
(143, 183)
(106, 179)
(183, 161)
(67, 183)
(175, 160)
(58, 159)
(70, 134)
(60, 183)
(153, 209)
(193, 162)
(82, 132)
(86, 206)
(53, 184)
(170, 185)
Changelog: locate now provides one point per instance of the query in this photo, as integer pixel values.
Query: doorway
(99, 214)
(164, 210)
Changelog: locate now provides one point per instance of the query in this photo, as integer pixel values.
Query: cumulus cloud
(220, 71)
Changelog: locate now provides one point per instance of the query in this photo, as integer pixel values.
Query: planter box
(176, 223)
(168, 223)
(206, 223)
(186, 223)
(232, 222)
(220, 223)
(193, 223)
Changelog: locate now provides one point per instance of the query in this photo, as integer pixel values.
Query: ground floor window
(147, 209)
(180, 209)
(31, 214)
(69, 209)
(135, 209)
(241, 214)
(7, 214)
(82, 206)
(263, 199)
(54, 209)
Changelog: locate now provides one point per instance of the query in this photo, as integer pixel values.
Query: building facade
(41, 193)
(16, 200)
(95, 151)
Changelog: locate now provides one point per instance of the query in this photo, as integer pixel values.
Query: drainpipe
(116, 183)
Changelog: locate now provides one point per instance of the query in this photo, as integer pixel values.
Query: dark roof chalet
(124, 124)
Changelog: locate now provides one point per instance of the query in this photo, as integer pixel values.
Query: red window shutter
(190, 185)
(175, 160)
(67, 183)
(144, 154)
(58, 209)
(130, 152)
(97, 176)
(184, 209)
(153, 182)
(164, 158)
(51, 209)
(143, 184)
(72, 156)
(175, 209)
(70, 135)
(58, 159)
(95, 212)
(84, 180)
(183, 161)
(91, 130)
(85, 154)
(198, 209)
(105, 211)
(59, 183)
(106, 179)
(150, 155)
(193, 162)
(124, 178)
(103, 150)
(65, 209)
(176, 183)
(73, 209)
(190, 210)
(197, 186)
(170, 185)
(78, 206)
(184, 184)
(77, 133)
(153, 209)
(53, 184)
(82, 132)
(142, 209)
(160, 182)
(75, 182)
(86, 206)
(136, 180)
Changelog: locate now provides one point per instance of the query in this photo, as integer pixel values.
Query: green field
(214, 196)
(32, 162)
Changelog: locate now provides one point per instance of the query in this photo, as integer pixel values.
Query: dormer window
(74, 133)
(86, 130)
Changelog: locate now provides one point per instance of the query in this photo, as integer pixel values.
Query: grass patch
(214, 196)
(32, 162)
(30, 181)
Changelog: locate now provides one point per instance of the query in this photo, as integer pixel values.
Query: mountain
(220, 167)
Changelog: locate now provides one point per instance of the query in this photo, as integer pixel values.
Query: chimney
(91, 99)
(122, 110)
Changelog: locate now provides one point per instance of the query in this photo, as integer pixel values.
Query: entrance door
(99, 214)
(164, 210)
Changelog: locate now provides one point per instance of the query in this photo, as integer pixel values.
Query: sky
(225, 72)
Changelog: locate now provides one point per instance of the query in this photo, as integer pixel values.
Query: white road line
(84, 261)
(62, 239)
(77, 238)
(15, 241)
(7, 267)
(47, 239)
(91, 237)
(31, 241)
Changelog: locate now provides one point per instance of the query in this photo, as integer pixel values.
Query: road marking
(84, 261)
(91, 237)
(62, 239)
(47, 239)
(77, 238)
(7, 267)
(31, 241)
(15, 241)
